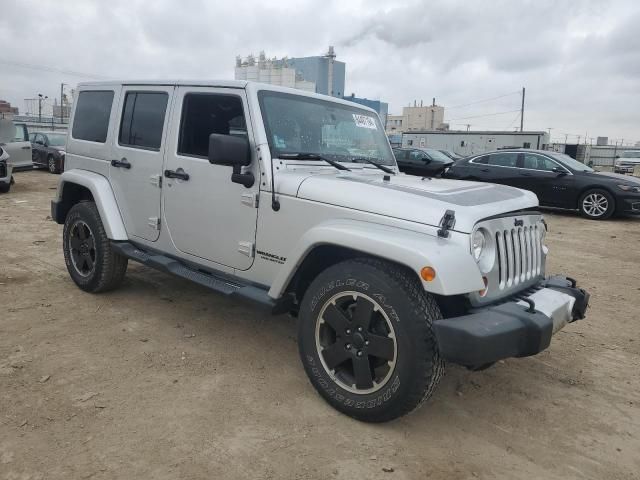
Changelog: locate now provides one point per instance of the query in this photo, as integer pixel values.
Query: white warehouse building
(472, 143)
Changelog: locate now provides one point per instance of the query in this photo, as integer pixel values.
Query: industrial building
(381, 107)
(319, 74)
(472, 143)
(417, 118)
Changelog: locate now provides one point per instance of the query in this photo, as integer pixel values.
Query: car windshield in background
(342, 133)
(571, 162)
(57, 140)
(633, 154)
(436, 155)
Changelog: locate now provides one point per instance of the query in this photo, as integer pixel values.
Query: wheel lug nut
(366, 342)
(359, 329)
(347, 346)
(348, 331)
(359, 353)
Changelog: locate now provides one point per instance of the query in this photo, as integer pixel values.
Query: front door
(19, 147)
(207, 215)
(552, 188)
(137, 156)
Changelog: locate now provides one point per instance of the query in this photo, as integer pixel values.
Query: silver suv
(294, 201)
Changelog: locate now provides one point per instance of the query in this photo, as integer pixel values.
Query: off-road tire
(5, 187)
(418, 365)
(109, 267)
(596, 193)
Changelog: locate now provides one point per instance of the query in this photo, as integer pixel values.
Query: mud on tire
(367, 309)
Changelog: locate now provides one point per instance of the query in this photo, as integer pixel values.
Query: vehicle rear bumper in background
(517, 328)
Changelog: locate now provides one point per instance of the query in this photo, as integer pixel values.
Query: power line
(50, 69)
(483, 115)
(483, 101)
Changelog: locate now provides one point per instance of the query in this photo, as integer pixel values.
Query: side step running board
(215, 281)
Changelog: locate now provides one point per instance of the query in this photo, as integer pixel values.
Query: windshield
(436, 155)
(571, 162)
(632, 154)
(296, 124)
(57, 139)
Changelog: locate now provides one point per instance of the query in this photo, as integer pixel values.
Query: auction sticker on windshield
(363, 121)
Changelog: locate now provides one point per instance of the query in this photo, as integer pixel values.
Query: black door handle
(180, 174)
(26, 147)
(526, 174)
(485, 170)
(123, 163)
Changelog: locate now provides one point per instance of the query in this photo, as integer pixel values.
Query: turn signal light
(483, 292)
(428, 274)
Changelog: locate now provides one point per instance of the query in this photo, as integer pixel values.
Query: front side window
(91, 120)
(21, 133)
(484, 160)
(504, 159)
(298, 124)
(57, 139)
(204, 114)
(143, 119)
(538, 162)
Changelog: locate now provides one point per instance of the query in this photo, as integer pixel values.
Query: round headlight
(477, 244)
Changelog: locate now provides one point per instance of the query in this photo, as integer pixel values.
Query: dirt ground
(163, 379)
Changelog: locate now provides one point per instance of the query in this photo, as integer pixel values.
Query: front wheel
(366, 339)
(5, 187)
(90, 260)
(597, 204)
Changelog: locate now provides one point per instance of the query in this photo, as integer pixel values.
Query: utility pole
(40, 99)
(468, 126)
(522, 112)
(62, 102)
(566, 137)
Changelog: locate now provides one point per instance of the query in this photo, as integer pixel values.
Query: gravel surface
(163, 379)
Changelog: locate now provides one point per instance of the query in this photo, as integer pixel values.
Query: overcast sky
(579, 60)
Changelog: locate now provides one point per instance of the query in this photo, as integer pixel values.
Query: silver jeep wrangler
(294, 201)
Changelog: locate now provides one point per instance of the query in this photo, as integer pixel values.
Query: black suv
(557, 179)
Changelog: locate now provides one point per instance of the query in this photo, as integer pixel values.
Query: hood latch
(447, 222)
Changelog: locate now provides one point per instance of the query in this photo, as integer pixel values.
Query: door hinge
(154, 222)
(156, 180)
(246, 248)
(250, 199)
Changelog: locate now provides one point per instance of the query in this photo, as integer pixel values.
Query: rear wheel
(597, 204)
(52, 165)
(366, 339)
(90, 260)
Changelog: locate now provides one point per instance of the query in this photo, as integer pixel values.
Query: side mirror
(232, 151)
(559, 171)
(617, 156)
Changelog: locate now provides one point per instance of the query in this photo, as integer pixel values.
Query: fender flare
(456, 271)
(103, 196)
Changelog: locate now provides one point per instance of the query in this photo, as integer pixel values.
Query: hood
(613, 177)
(412, 198)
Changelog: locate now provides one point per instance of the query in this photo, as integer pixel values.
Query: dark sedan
(426, 162)
(48, 150)
(557, 179)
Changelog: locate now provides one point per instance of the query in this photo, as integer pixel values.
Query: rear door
(19, 148)
(137, 157)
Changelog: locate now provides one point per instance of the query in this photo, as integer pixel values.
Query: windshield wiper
(311, 156)
(371, 162)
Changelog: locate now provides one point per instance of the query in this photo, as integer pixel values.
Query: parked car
(48, 150)
(17, 144)
(426, 162)
(557, 179)
(452, 155)
(293, 200)
(627, 161)
(6, 168)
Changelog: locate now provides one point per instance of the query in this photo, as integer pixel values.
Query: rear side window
(143, 119)
(504, 159)
(91, 121)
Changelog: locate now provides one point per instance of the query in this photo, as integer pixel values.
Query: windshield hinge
(447, 222)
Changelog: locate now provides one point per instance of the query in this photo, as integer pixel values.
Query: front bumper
(517, 328)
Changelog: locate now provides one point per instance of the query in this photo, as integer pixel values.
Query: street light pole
(40, 99)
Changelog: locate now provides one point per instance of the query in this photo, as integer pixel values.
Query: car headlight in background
(629, 188)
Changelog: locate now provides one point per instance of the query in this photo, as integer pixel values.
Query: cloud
(579, 60)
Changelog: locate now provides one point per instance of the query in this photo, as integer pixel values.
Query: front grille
(519, 253)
